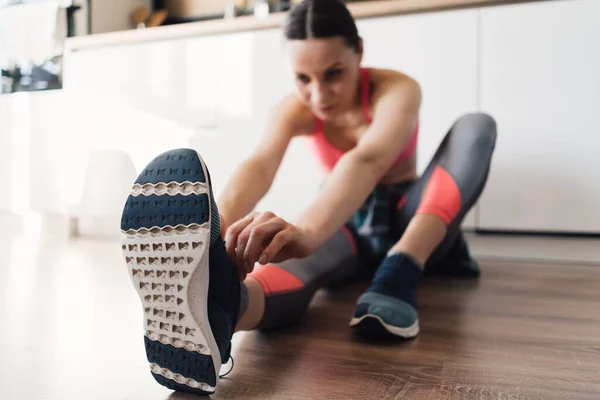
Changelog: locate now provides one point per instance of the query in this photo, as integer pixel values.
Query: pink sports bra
(329, 154)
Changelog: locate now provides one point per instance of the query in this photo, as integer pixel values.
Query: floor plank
(72, 329)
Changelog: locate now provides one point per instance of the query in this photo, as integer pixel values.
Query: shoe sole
(165, 240)
(371, 323)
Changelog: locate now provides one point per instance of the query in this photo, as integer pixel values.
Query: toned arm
(253, 178)
(359, 170)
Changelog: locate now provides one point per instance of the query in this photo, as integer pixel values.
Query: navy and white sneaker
(176, 258)
(389, 306)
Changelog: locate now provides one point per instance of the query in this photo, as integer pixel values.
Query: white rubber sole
(408, 332)
(168, 267)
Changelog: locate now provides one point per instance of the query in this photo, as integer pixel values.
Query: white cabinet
(142, 99)
(440, 51)
(540, 66)
(173, 79)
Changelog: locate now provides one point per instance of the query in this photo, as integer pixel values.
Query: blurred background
(92, 90)
(85, 81)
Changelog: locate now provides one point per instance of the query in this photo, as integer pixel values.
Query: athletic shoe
(178, 265)
(390, 304)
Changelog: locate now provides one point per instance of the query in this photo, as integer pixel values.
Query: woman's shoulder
(294, 114)
(386, 81)
(387, 75)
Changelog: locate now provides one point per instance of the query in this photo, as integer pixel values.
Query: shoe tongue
(398, 269)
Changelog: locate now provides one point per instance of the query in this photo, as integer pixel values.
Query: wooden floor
(71, 328)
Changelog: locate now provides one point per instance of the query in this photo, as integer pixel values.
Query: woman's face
(326, 74)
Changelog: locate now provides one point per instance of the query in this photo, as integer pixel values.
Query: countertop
(364, 9)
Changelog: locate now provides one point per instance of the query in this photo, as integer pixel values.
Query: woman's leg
(251, 312)
(450, 186)
(430, 215)
(279, 295)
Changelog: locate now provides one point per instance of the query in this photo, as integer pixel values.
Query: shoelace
(230, 369)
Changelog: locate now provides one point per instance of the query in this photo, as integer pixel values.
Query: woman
(373, 213)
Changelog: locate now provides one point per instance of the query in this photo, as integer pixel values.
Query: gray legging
(449, 187)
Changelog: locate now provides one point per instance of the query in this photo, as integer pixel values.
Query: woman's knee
(477, 130)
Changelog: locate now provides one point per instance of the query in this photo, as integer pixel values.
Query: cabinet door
(540, 79)
(438, 50)
(172, 79)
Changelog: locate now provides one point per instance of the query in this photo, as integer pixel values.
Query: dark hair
(322, 19)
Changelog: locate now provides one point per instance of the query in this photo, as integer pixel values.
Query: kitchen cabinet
(539, 79)
(172, 79)
(439, 50)
(142, 99)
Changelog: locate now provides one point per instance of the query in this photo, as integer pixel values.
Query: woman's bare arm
(254, 176)
(357, 173)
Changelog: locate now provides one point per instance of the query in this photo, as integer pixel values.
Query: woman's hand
(265, 238)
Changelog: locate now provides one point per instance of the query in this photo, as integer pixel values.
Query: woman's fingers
(233, 232)
(232, 242)
(260, 236)
(241, 249)
(246, 239)
(243, 237)
(275, 246)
